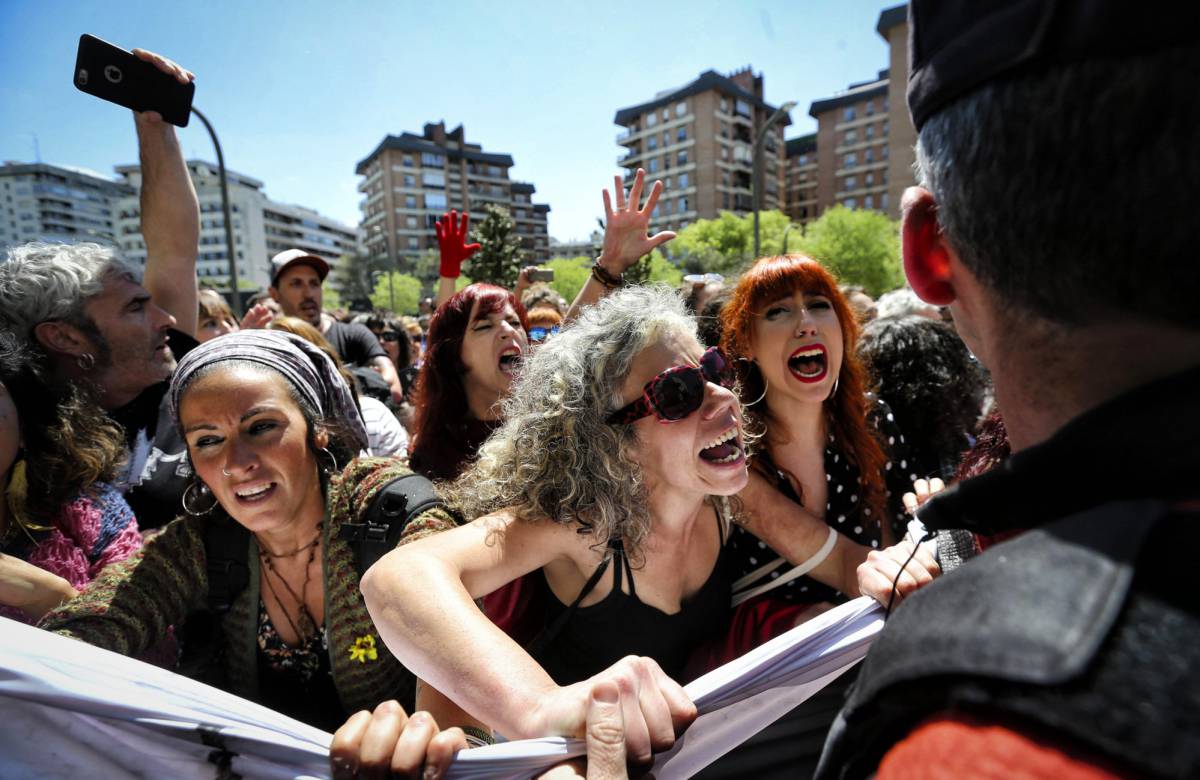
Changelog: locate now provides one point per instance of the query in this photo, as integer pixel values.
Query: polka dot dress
(845, 511)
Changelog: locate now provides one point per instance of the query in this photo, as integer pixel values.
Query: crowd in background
(517, 516)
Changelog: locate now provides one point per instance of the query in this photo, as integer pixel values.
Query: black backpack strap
(225, 548)
(389, 513)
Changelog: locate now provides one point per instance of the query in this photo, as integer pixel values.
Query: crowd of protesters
(516, 517)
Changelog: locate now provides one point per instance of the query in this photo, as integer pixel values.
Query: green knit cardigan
(129, 607)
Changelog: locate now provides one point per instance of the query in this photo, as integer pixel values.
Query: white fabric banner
(72, 710)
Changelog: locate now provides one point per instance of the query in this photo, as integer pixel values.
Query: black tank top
(579, 642)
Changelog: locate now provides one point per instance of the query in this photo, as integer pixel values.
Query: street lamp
(235, 298)
(780, 112)
(786, 230)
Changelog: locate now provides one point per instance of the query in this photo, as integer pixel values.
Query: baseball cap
(289, 257)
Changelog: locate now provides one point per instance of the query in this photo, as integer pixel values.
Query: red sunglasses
(678, 391)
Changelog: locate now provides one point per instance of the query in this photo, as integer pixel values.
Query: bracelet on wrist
(600, 274)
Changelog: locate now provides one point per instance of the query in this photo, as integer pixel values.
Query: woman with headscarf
(272, 433)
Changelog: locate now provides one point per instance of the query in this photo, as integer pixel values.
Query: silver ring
(226, 473)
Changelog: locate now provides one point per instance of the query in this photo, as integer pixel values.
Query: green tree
(724, 245)
(406, 289)
(353, 277)
(499, 259)
(654, 267)
(570, 274)
(425, 268)
(859, 246)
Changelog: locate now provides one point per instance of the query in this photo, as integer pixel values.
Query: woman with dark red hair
(475, 344)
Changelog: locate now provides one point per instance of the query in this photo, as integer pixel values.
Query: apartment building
(800, 178)
(852, 148)
(42, 202)
(902, 136)
(699, 139)
(410, 180)
(261, 227)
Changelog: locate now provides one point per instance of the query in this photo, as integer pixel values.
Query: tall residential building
(261, 227)
(411, 180)
(40, 202)
(902, 136)
(852, 148)
(699, 140)
(800, 178)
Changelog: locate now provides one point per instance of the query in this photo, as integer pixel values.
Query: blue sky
(300, 91)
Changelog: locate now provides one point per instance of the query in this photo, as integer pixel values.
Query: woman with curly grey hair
(621, 439)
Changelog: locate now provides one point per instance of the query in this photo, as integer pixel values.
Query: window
(870, 112)
(495, 171)
(850, 161)
(683, 181)
(652, 143)
(433, 179)
(683, 205)
(870, 179)
(651, 119)
(411, 222)
(432, 160)
(681, 109)
(410, 201)
(742, 108)
(724, 152)
(408, 161)
(868, 203)
(851, 183)
(883, 201)
(435, 201)
(870, 131)
(850, 203)
(869, 155)
(410, 180)
(851, 136)
(848, 114)
(414, 242)
(724, 105)
(681, 134)
(683, 156)
(653, 166)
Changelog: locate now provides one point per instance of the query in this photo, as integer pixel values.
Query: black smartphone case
(113, 74)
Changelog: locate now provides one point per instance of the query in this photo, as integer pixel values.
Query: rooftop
(707, 80)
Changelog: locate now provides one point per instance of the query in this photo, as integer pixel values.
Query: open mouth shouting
(510, 359)
(725, 449)
(809, 363)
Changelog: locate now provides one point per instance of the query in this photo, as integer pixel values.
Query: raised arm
(625, 239)
(170, 210)
(454, 251)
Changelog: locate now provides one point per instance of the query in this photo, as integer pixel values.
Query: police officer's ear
(927, 255)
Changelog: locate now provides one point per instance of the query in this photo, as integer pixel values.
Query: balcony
(627, 136)
(627, 160)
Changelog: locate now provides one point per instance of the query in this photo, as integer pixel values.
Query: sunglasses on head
(538, 333)
(678, 391)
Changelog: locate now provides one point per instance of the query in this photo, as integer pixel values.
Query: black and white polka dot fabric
(844, 509)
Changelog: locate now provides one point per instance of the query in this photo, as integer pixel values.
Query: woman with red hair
(475, 344)
(830, 468)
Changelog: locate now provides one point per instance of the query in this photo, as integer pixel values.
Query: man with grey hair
(1057, 152)
(90, 319)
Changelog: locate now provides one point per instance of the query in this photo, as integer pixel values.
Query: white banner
(72, 710)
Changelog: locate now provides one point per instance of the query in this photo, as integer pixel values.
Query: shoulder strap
(553, 630)
(388, 514)
(225, 549)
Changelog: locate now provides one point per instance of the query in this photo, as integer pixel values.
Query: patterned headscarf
(301, 363)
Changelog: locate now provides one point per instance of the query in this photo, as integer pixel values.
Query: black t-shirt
(356, 345)
(157, 471)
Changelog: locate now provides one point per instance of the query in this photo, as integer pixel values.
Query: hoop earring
(86, 361)
(190, 500)
(328, 469)
(766, 385)
(833, 392)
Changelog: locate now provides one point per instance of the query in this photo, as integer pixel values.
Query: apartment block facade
(699, 139)
(42, 202)
(852, 147)
(410, 180)
(800, 178)
(902, 136)
(261, 227)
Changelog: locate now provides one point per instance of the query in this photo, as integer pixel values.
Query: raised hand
(923, 490)
(169, 67)
(625, 239)
(259, 316)
(452, 243)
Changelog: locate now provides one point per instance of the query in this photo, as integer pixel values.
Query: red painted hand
(452, 237)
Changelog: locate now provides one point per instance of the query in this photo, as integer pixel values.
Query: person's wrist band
(477, 737)
(605, 278)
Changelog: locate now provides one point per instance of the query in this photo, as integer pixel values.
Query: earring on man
(86, 361)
